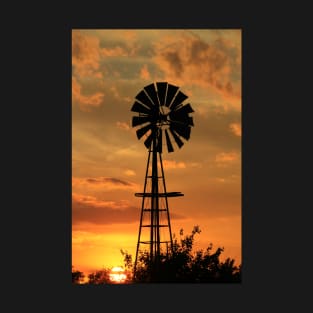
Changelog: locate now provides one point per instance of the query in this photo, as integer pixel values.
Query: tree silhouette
(77, 276)
(100, 277)
(184, 265)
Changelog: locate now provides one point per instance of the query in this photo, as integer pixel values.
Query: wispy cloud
(126, 44)
(168, 164)
(172, 164)
(144, 72)
(89, 209)
(122, 125)
(236, 129)
(130, 173)
(103, 182)
(225, 158)
(228, 179)
(114, 52)
(116, 94)
(85, 102)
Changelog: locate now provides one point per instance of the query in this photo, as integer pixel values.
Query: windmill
(161, 114)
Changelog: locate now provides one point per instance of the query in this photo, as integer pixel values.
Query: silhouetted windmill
(161, 113)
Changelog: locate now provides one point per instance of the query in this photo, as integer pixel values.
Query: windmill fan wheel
(162, 113)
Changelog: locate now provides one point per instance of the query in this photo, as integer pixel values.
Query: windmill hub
(164, 112)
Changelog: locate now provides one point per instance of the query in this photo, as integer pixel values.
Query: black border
(44, 242)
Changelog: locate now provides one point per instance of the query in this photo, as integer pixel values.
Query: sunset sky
(109, 68)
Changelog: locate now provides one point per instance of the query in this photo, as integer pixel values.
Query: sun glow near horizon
(117, 275)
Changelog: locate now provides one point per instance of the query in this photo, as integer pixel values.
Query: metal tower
(161, 112)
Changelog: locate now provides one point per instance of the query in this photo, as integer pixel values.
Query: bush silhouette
(184, 265)
(77, 276)
(99, 277)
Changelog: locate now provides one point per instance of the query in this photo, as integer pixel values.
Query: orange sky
(109, 68)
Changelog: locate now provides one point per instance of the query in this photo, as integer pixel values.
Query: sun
(117, 275)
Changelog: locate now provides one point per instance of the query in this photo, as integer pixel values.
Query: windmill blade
(140, 132)
(183, 121)
(171, 92)
(148, 141)
(184, 109)
(168, 142)
(150, 89)
(181, 118)
(176, 138)
(180, 97)
(190, 121)
(159, 143)
(138, 107)
(161, 87)
(138, 120)
(142, 97)
(183, 131)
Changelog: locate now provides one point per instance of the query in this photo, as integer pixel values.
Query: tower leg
(155, 217)
(141, 214)
(166, 207)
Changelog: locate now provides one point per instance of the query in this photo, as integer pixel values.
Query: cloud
(102, 180)
(122, 125)
(224, 158)
(236, 129)
(208, 65)
(130, 173)
(85, 102)
(88, 209)
(221, 180)
(196, 165)
(126, 44)
(130, 36)
(144, 73)
(86, 57)
(115, 93)
(128, 152)
(91, 200)
(109, 183)
(118, 96)
(86, 54)
(130, 39)
(174, 61)
(118, 43)
(167, 164)
(227, 179)
(114, 52)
